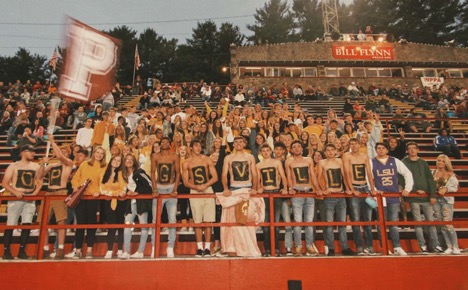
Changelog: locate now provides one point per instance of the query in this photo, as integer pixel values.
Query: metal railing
(44, 226)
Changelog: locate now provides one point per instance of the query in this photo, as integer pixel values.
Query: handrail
(43, 226)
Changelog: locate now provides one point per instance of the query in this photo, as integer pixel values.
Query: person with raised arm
(58, 176)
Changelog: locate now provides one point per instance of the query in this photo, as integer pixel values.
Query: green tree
(309, 19)
(127, 54)
(274, 23)
(156, 54)
(421, 21)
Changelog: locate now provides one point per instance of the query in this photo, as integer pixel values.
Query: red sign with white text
(362, 52)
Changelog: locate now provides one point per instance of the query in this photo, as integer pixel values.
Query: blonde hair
(448, 163)
(103, 162)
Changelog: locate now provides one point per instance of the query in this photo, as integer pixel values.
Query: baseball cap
(27, 148)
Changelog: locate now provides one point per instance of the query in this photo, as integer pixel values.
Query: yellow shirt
(113, 188)
(86, 171)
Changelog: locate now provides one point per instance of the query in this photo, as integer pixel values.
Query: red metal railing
(43, 225)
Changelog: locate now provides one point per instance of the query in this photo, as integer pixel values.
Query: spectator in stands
(361, 36)
(342, 90)
(205, 92)
(413, 125)
(113, 185)
(442, 124)
(385, 105)
(87, 209)
(423, 184)
(397, 148)
(5, 123)
(297, 93)
(79, 117)
(302, 179)
(139, 183)
(107, 101)
(348, 107)
(386, 171)
(239, 99)
(21, 179)
(446, 182)
(331, 174)
(446, 143)
(27, 138)
(353, 90)
(96, 115)
(85, 135)
(460, 110)
(100, 130)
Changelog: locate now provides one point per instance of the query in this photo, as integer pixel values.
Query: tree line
(206, 52)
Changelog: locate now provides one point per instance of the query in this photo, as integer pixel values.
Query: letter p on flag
(92, 59)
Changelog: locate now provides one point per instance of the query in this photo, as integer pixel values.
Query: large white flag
(92, 59)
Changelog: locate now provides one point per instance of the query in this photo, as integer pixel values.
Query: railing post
(272, 224)
(157, 227)
(43, 227)
(388, 128)
(383, 227)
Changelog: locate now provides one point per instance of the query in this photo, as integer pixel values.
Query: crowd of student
(171, 148)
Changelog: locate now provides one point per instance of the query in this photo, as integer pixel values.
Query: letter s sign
(90, 63)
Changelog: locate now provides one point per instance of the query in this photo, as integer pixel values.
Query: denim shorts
(17, 208)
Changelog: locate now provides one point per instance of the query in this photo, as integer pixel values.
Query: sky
(39, 25)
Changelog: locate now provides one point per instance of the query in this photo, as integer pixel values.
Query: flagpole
(134, 68)
(55, 102)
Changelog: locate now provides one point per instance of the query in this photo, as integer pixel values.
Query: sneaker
(298, 251)
(278, 254)
(216, 251)
(400, 252)
(207, 253)
(164, 230)
(7, 256)
(438, 250)
(53, 254)
(46, 254)
(312, 250)
(137, 255)
(456, 251)
(424, 250)
(220, 254)
(108, 255)
(449, 251)
(125, 256)
(183, 229)
(77, 255)
(71, 254)
(369, 251)
(119, 253)
(348, 252)
(289, 252)
(360, 252)
(199, 253)
(331, 252)
(266, 254)
(325, 250)
(89, 255)
(59, 255)
(170, 252)
(22, 255)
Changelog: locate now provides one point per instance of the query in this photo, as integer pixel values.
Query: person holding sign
(199, 173)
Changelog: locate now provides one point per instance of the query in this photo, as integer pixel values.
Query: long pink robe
(241, 239)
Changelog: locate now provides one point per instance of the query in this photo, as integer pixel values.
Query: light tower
(330, 17)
